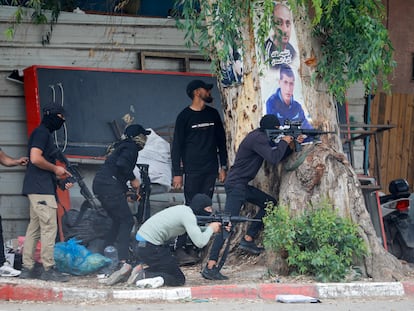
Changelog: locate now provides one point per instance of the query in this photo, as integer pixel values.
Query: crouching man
(153, 237)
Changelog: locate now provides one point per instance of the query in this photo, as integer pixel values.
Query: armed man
(253, 150)
(152, 243)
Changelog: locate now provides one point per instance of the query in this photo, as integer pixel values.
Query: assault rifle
(225, 220)
(76, 177)
(294, 130)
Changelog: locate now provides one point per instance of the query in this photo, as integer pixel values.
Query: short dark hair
(285, 70)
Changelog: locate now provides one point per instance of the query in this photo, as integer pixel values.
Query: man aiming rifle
(253, 150)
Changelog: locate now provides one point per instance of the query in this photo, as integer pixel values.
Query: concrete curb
(18, 291)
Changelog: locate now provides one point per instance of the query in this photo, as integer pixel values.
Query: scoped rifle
(294, 130)
(76, 177)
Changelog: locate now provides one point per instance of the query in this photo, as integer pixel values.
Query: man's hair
(285, 70)
(277, 4)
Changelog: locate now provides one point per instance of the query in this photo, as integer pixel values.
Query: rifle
(76, 177)
(144, 209)
(294, 130)
(225, 220)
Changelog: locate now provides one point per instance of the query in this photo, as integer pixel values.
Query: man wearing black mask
(154, 235)
(39, 186)
(110, 187)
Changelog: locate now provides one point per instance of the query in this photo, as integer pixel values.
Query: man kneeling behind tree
(152, 244)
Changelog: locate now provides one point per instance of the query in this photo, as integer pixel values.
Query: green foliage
(318, 243)
(215, 28)
(355, 44)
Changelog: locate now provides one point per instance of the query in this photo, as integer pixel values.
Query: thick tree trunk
(320, 172)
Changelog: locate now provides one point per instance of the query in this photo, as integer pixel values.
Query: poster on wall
(281, 83)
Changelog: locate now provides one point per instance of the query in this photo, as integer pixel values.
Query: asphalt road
(372, 304)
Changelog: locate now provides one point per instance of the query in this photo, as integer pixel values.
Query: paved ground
(252, 283)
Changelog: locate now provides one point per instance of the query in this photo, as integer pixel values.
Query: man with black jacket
(110, 187)
(253, 150)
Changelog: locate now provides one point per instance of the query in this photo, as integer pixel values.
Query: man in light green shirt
(166, 225)
(152, 242)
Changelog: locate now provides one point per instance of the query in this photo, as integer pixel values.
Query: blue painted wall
(155, 8)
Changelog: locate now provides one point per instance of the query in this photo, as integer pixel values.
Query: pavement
(14, 289)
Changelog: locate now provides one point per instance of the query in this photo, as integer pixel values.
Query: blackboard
(94, 98)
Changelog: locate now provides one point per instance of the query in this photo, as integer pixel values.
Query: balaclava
(138, 134)
(51, 119)
(199, 202)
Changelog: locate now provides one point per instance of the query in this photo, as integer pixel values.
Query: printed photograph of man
(282, 104)
(278, 48)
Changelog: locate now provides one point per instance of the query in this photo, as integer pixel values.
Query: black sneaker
(250, 247)
(28, 273)
(213, 274)
(53, 275)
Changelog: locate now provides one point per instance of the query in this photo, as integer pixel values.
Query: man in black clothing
(39, 185)
(110, 187)
(254, 148)
(199, 146)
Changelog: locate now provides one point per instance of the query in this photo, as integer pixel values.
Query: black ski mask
(199, 203)
(53, 122)
(50, 117)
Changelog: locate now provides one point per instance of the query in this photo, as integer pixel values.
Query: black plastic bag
(86, 225)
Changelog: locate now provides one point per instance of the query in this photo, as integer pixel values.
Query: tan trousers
(43, 226)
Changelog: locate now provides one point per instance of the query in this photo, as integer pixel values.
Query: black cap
(199, 202)
(53, 109)
(269, 122)
(135, 129)
(196, 84)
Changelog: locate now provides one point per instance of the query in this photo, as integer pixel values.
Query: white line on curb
(163, 294)
(337, 290)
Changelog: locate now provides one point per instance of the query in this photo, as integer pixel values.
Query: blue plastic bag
(73, 258)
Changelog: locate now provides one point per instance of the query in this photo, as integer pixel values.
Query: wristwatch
(224, 167)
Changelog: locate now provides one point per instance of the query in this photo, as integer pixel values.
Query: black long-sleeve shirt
(198, 137)
(118, 168)
(253, 150)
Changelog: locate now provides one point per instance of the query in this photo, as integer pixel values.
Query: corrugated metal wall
(96, 41)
